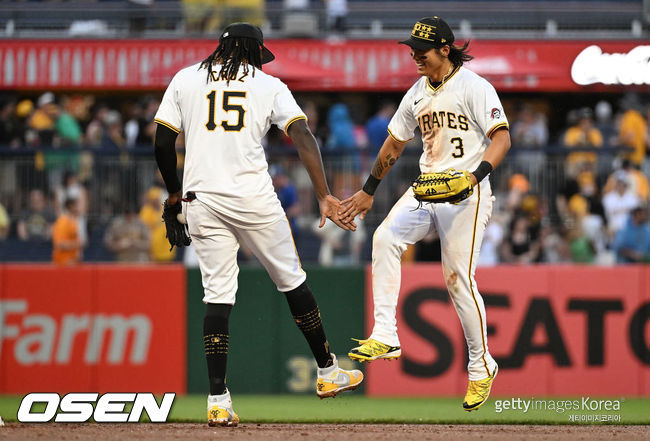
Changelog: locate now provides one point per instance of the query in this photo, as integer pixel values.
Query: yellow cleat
(333, 379)
(218, 416)
(478, 392)
(220, 411)
(371, 349)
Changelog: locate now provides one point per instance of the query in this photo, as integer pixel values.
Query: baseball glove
(448, 186)
(177, 233)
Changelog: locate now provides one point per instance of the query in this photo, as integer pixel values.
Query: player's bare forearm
(387, 157)
(498, 148)
(310, 156)
(165, 151)
(361, 202)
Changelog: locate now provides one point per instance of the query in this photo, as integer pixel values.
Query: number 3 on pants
(228, 107)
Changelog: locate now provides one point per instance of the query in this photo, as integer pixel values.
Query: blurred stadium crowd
(79, 183)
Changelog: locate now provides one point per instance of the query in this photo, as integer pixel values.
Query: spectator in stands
(95, 129)
(520, 246)
(35, 223)
(605, 123)
(529, 137)
(24, 110)
(41, 123)
(638, 181)
(586, 233)
(313, 120)
(337, 12)
(377, 127)
(147, 126)
(287, 195)
(492, 240)
(113, 136)
(632, 243)
(341, 149)
(132, 126)
(128, 238)
(529, 129)
(5, 223)
(66, 240)
(582, 135)
(633, 130)
(67, 127)
(554, 249)
(151, 216)
(72, 189)
(339, 247)
(11, 130)
(619, 203)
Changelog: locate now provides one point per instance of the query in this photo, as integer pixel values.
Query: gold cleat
(333, 379)
(478, 392)
(371, 349)
(219, 416)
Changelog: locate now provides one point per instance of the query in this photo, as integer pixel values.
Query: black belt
(189, 196)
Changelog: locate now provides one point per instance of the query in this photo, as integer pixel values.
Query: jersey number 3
(458, 143)
(228, 107)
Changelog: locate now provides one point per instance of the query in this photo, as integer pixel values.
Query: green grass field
(361, 409)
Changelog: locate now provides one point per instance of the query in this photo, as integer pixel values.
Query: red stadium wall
(95, 328)
(310, 65)
(554, 331)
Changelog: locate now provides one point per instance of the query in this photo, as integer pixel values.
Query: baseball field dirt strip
(314, 432)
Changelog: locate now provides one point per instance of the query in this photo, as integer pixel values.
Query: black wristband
(371, 185)
(483, 169)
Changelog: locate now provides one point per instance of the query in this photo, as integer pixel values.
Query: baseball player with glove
(465, 136)
(225, 105)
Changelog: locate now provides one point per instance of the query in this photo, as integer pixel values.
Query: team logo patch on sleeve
(496, 113)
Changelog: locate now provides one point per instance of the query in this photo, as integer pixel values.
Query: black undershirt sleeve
(165, 149)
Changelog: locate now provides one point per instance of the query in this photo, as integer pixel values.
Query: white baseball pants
(460, 228)
(217, 241)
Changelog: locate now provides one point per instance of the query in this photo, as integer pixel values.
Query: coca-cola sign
(592, 66)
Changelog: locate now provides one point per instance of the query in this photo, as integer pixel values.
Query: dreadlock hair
(232, 53)
(459, 54)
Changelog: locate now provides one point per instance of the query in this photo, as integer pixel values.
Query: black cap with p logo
(430, 32)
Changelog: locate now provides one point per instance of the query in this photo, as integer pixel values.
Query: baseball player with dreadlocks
(463, 128)
(225, 105)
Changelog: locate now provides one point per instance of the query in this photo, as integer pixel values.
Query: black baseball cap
(430, 32)
(247, 30)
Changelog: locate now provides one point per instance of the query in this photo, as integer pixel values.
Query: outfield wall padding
(267, 351)
(554, 330)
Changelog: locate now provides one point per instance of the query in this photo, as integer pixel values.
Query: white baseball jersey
(456, 119)
(224, 124)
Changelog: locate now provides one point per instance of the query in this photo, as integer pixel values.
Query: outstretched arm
(361, 201)
(310, 156)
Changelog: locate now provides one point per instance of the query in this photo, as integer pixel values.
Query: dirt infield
(312, 432)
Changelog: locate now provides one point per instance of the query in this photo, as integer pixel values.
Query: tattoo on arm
(381, 166)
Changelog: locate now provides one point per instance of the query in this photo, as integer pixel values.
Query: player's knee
(382, 239)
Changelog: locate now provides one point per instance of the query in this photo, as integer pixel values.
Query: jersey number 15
(228, 107)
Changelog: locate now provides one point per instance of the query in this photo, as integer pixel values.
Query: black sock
(307, 316)
(215, 340)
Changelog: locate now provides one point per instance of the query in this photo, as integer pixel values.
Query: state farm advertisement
(95, 328)
(554, 331)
